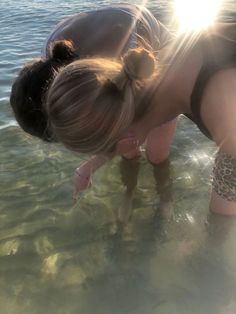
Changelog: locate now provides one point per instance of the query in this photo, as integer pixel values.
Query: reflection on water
(139, 241)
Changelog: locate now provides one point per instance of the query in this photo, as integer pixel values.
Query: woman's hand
(83, 174)
(82, 180)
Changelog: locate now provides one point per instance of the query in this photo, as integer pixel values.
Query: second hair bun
(63, 50)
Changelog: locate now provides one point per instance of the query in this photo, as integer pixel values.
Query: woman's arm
(127, 147)
(83, 174)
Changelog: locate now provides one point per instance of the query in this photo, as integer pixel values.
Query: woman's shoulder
(107, 26)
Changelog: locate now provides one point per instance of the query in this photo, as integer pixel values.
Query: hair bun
(139, 64)
(63, 51)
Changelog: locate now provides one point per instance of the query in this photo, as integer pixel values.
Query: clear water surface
(172, 257)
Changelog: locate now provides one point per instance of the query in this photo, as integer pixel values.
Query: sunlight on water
(196, 14)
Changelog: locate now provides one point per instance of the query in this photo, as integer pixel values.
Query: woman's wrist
(90, 166)
(79, 173)
(98, 161)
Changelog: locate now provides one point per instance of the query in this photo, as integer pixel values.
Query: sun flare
(195, 14)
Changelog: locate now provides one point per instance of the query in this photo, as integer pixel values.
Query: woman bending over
(105, 33)
(110, 104)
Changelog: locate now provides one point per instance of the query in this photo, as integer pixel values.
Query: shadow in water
(202, 280)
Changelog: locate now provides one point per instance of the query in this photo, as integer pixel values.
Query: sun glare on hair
(195, 14)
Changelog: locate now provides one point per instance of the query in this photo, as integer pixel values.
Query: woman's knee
(159, 141)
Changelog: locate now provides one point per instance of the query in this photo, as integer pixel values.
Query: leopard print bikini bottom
(224, 176)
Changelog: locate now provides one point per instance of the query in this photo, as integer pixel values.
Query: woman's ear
(126, 145)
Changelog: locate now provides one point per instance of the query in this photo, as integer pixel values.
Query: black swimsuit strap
(196, 97)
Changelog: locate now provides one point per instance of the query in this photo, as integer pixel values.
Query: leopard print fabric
(224, 176)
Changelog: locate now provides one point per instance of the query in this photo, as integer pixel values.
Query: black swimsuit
(219, 52)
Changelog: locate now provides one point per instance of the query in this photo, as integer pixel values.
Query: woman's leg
(163, 178)
(129, 168)
(132, 154)
(157, 150)
(159, 140)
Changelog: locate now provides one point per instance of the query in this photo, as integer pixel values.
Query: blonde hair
(91, 102)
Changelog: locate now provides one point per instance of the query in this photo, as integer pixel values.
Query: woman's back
(92, 31)
(110, 31)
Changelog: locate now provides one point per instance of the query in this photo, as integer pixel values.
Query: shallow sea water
(171, 257)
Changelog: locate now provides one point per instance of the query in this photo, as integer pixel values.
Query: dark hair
(30, 87)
